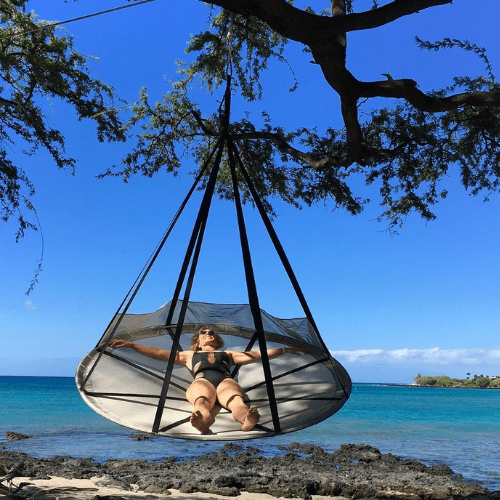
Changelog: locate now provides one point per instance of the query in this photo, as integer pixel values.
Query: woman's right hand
(117, 343)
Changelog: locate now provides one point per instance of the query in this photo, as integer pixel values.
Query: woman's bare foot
(198, 422)
(251, 418)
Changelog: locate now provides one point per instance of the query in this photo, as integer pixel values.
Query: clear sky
(387, 306)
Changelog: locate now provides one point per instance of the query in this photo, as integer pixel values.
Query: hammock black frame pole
(276, 242)
(195, 244)
(253, 297)
(145, 270)
(279, 249)
(202, 214)
(196, 238)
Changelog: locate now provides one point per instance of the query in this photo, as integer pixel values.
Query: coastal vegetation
(476, 382)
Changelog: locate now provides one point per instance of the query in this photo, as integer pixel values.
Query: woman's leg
(202, 395)
(230, 396)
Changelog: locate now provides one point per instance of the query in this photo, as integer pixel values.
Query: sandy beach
(88, 489)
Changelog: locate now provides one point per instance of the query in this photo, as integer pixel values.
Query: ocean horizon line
(72, 377)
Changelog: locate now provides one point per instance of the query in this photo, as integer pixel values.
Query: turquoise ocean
(458, 427)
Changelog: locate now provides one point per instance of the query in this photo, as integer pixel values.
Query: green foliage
(448, 43)
(174, 129)
(482, 382)
(445, 381)
(37, 63)
(441, 381)
(406, 150)
(233, 44)
(421, 147)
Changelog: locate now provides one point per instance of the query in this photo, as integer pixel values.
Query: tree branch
(200, 122)
(387, 14)
(286, 148)
(7, 102)
(407, 89)
(306, 27)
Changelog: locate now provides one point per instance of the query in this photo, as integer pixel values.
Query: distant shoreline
(445, 382)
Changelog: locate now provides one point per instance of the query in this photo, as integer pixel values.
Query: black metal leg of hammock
(129, 298)
(278, 247)
(194, 246)
(197, 236)
(253, 296)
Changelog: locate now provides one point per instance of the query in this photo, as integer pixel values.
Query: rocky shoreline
(353, 471)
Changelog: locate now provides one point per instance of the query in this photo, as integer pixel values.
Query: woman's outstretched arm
(151, 352)
(243, 358)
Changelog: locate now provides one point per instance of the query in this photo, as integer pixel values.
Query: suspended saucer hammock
(149, 395)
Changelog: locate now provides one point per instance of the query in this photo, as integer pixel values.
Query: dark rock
(307, 449)
(16, 436)
(144, 436)
(414, 465)
(252, 451)
(227, 482)
(154, 488)
(353, 471)
(109, 481)
(390, 458)
(331, 489)
(127, 463)
(225, 491)
(232, 447)
(440, 470)
(360, 452)
(187, 488)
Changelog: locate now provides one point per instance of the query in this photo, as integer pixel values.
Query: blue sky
(387, 306)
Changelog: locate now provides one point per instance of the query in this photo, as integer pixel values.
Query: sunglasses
(210, 332)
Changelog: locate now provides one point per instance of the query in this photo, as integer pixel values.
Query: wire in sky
(50, 25)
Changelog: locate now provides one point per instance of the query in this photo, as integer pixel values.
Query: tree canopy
(404, 148)
(37, 61)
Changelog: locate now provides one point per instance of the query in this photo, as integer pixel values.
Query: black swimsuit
(215, 372)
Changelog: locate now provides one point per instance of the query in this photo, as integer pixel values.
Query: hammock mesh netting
(125, 386)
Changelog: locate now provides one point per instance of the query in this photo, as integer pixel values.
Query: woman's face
(207, 338)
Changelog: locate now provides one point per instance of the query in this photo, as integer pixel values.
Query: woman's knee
(201, 389)
(228, 392)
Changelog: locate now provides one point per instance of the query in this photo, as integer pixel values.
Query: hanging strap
(279, 249)
(194, 246)
(276, 242)
(108, 334)
(253, 296)
(196, 239)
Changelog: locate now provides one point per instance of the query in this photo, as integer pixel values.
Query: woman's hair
(196, 336)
